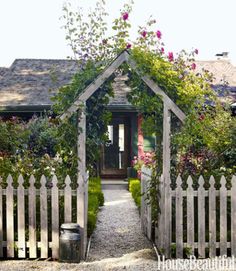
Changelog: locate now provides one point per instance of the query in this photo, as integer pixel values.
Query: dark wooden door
(116, 152)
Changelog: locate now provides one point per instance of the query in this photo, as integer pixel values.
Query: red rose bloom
(170, 56)
(125, 16)
(144, 33)
(193, 66)
(158, 34)
(128, 46)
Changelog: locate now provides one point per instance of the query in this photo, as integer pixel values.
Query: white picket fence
(30, 217)
(202, 220)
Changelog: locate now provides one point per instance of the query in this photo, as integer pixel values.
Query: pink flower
(170, 56)
(201, 117)
(144, 33)
(158, 34)
(193, 66)
(125, 16)
(128, 46)
(162, 50)
(196, 51)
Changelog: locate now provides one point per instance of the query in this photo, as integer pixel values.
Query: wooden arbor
(80, 104)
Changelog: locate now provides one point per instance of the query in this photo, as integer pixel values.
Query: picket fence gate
(201, 219)
(30, 217)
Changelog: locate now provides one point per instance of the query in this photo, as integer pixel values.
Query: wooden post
(159, 231)
(82, 189)
(166, 177)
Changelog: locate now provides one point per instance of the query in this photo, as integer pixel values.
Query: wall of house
(145, 143)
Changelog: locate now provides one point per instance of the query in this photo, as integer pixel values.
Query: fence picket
(55, 218)
(21, 217)
(201, 218)
(179, 218)
(1, 220)
(36, 223)
(223, 217)
(43, 218)
(212, 218)
(32, 218)
(233, 216)
(52, 195)
(67, 200)
(190, 215)
(10, 217)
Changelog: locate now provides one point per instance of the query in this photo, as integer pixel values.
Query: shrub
(95, 199)
(135, 190)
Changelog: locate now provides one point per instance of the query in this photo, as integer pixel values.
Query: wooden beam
(101, 79)
(95, 85)
(156, 89)
(82, 181)
(166, 178)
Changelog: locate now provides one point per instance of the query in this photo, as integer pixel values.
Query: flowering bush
(203, 133)
(147, 159)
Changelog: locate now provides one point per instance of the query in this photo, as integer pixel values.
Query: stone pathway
(118, 230)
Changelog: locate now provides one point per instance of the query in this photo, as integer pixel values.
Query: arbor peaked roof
(107, 72)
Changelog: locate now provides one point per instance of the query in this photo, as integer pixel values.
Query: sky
(33, 29)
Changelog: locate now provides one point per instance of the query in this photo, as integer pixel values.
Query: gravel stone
(118, 230)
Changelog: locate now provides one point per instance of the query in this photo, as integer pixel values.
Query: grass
(95, 200)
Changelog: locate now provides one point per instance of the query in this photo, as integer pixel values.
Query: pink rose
(128, 46)
(162, 50)
(125, 16)
(170, 56)
(193, 66)
(144, 33)
(158, 34)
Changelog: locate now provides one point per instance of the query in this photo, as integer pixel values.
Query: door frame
(119, 173)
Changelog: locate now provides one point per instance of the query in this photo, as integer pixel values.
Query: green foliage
(95, 199)
(97, 116)
(135, 190)
(206, 143)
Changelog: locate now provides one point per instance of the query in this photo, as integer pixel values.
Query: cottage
(26, 88)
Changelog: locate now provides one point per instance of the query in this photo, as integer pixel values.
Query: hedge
(135, 190)
(95, 200)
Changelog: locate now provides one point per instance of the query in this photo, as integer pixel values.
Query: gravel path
(118, 230)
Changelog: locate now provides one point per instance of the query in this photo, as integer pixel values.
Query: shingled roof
(224, 77)
(32, 82)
